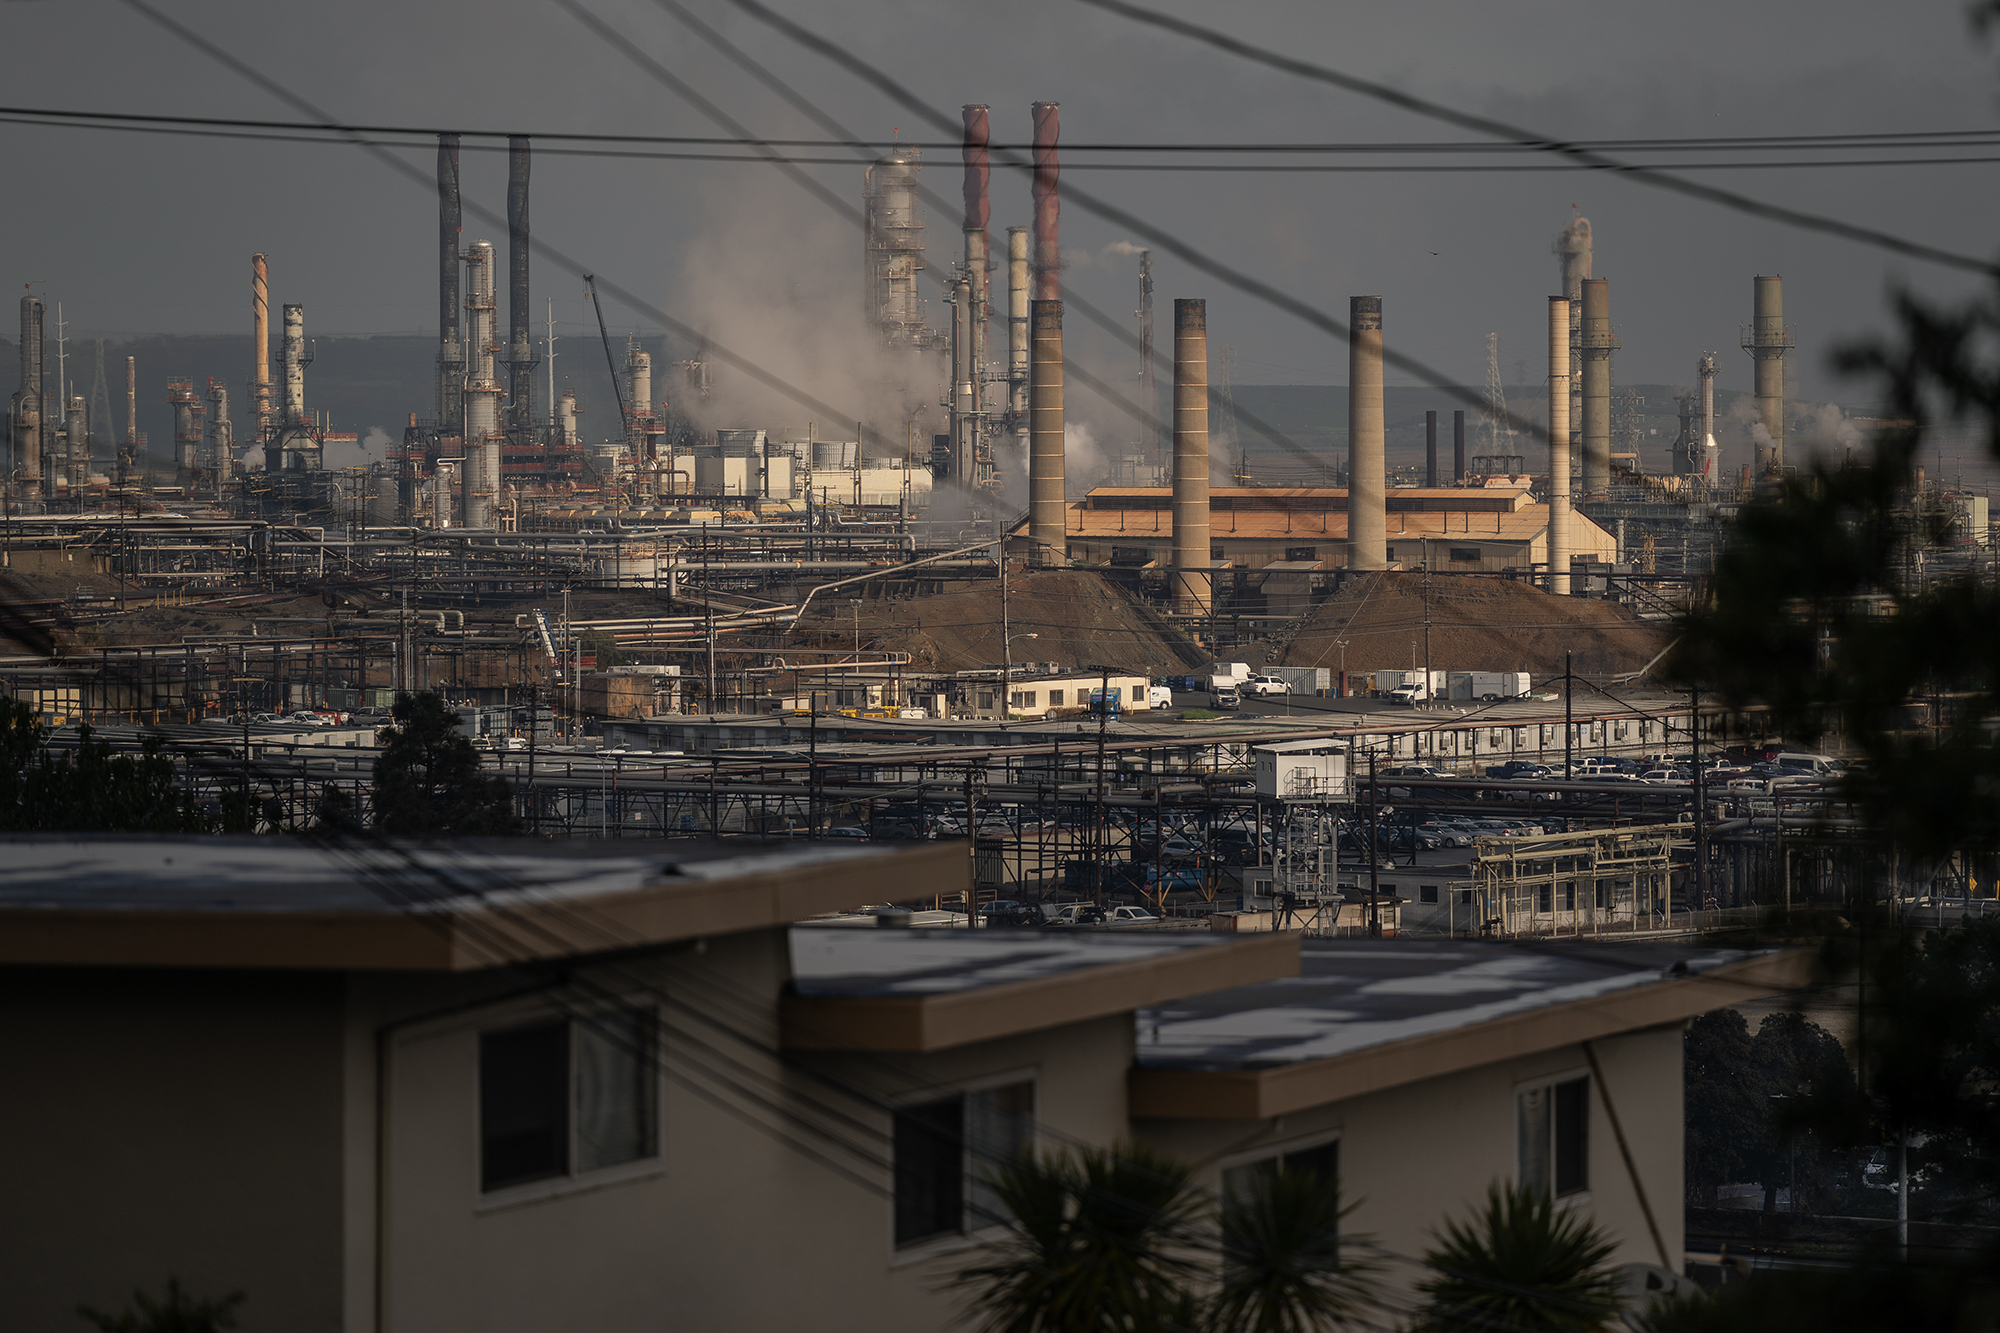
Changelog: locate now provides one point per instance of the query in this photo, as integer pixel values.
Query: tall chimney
(520, 319)
(1559, 552)
(1458, 446)
(1573, 259)
(1048, 206)
(978, 241)
(1768, 342)
(965, 379)
(1367, 469)
(1018, 286)
(76, 434)
(295, 365)
(1047, 519)
(1705, 368)
(132, 405)
(260, 340)
(1598, 345)
(451, 344)
(480, 477)
(1193, 591)
(29, 401)
(1431, 450)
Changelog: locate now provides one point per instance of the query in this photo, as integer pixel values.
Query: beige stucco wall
(753, 1216)
(169, 1123)
(1414, 1155)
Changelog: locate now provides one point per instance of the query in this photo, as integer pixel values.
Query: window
(565, 1097)
(1389, 553)
(1462, 554)
(1302, 553)
(1554, 1122)
(1427, 893)
(1055, 698)
(1241, 1183)
(1465, 897)
(946, 1152)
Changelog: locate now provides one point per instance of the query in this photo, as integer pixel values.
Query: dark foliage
(176, 1312)
(1518, 1265)
(89, 790)
(428, 780)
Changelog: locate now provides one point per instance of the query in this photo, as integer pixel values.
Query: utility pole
(1427, 627)
(1374, 871)
(1006, 626)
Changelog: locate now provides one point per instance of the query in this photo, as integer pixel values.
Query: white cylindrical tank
(480, 481)
(295, 364)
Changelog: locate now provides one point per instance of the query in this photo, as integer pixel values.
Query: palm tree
(1099, 1244)
(1519, 1266)
(1282, 1269)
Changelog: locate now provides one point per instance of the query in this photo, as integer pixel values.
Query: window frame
(1278, 1152)
(928, 1247)
(574, 1180)
(1549, 1083)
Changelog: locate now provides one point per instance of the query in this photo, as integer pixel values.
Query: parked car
(1517, 769)
(1131, 916)
(1225, 699)
(1262, 685)
(1078, 914)
(1159, 696)
(1008, 912)
(852, 834)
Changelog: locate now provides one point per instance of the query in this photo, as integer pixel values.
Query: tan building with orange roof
(1459, 529)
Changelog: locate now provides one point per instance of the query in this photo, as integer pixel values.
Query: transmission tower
(101, 429)
(1222, 409)
(1499, 432)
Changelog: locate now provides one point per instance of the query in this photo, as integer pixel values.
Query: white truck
(1223, 694)
(1409, 687)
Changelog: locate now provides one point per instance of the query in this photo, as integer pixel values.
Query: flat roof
(366, 904)
(913, 991)
(1367, 1015)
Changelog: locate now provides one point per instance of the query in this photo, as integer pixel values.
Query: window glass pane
(1322, 1161)
(930, 1170)
(999, 1130)
(615, 1116)
(523, 1104)
(1533, 1110)
(1572, 1113)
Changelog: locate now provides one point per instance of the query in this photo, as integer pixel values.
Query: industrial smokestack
(451, 344)
(1573, 259)
(260, 339)
(221, 433)
(1598, 344)
(978, 241)
(295, 365)
(1047, 519)
(28, 402)
(1193, 591)
(1017, 329)
(1559, 497)
(1048, 206)
(480, 477)
(1367, 467)
(1431, 450)
(132, 405)
(1767, 344)
(1705, 368)
(964, 380)
(1457, 447)
(520, 320)
(76, 437)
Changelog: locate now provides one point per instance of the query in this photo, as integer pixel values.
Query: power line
(1528, 139)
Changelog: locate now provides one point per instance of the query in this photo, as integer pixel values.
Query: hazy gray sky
(146, 233)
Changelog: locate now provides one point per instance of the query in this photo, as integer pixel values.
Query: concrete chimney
(521, 357)
(1573, 259)
(1705, 368)
(1458, 446)
(132, 405)
(1768, 342)
(978, 241)
(451, 342)
(260, 348)
(1048, 206)
(1598, 344)
(1431, 450)
(28, 433)
(1047, 519)
(480, 477)
(965, 380)
(1018, 285)
(1559, 547)
(1367, 469)
(1193, 592)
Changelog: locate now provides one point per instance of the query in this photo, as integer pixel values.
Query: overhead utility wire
(845, 139)
(774, 158)
(1146, 413)
(1543, 143)
(1161, 239)
(558, 257)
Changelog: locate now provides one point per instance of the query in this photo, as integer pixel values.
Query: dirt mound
(1476, 624)
(1078, 619)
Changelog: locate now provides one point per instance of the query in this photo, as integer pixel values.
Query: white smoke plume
(1083, 259)
(1084, 462)
(371, 449)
